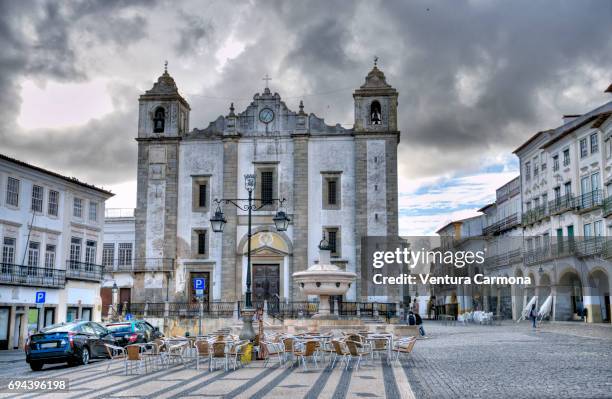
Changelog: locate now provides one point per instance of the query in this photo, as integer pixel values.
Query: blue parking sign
(199, 283)
(128, 316)
(40, 296)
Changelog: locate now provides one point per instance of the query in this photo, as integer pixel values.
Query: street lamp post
(218, 221)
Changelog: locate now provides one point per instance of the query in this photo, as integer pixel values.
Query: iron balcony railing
(607, 206)
(564, 203)
(590, 200)
(502, 225)
(504, 259)
(537, 255)
(31, 276)
(535, 215)
(83, 271)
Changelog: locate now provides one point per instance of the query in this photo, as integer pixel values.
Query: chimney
(569, 118)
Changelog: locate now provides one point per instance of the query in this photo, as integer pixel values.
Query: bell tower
(376, 139)
(163, 120)
(375, 103)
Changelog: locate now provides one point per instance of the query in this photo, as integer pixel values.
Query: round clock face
(266, 115)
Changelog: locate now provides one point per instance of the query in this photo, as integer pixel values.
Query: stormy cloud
(475, 78)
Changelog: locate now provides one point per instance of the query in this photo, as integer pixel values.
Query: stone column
(299, 261)
(231, 272)
(361, 207)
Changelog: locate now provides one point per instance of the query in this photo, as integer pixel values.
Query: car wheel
(36, 366)
(84, 356)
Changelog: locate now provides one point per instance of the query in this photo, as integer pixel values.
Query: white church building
(341, 182)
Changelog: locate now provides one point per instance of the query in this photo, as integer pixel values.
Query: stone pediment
(279, 120)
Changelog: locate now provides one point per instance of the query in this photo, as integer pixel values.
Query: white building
(120, 268)
(554, 223)
(51, 234)
(336, 180)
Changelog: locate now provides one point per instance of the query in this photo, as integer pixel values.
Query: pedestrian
(415, 306)
(419, 322)
(411, 318)
(533, 314)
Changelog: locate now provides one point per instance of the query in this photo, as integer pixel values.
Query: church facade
(341, 182)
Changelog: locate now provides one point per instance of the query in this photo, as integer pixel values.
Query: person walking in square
(533, 314)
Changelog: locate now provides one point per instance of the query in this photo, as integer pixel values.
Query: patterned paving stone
(511, 361)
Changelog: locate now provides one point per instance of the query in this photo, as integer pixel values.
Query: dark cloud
(193, 32)
(42, 41)
(475, 77)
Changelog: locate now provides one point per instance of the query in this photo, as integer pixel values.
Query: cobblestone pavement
(456, 362)
(512, 361)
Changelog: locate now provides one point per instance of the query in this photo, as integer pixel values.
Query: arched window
(159, 120)
(375, 113)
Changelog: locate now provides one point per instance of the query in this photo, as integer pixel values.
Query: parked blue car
(73, 343)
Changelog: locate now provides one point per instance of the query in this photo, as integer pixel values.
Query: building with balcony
(51, 234)
(554, 222)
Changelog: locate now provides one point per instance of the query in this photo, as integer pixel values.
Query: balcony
(590, 246)
(535, 215)
(142, 265)
(562, 204)
(589, 201)
(504, 259)
(83, 271)
(537, 255)
(31, 276)
(607, 206)
(505, 224)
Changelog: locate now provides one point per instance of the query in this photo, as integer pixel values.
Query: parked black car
(133, 332)
(73, 343)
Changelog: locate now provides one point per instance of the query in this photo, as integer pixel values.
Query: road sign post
(199, 285)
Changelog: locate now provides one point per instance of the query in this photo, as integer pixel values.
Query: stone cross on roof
(267, 78)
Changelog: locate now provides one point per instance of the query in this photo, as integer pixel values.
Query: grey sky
(474, 77)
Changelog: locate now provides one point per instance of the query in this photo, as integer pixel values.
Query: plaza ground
(561, 360)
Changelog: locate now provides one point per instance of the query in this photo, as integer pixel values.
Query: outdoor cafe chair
(325, 348)
(156, 351)
(235, 353)
(358, 350)
(134, 355)
(341, 352)
(403, 347)
(114, 352)
(219, 354)
(202, 352)
(289, 347)
(309, 350)
(272, 349)
(176, 352)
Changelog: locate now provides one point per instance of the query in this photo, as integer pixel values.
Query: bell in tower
(375, 103)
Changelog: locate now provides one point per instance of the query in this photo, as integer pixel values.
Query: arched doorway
(270, 257)
(570, 300)
(599, 297)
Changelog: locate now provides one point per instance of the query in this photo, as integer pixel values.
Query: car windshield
(60, 328)
(124, 327)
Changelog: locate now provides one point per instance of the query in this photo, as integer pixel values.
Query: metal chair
(134, 356)
(114, 352)
(358, 350)
(219, 353)
(403, 347)
(309, 349)
(271, 349)
(340, 351)
(202, 351)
